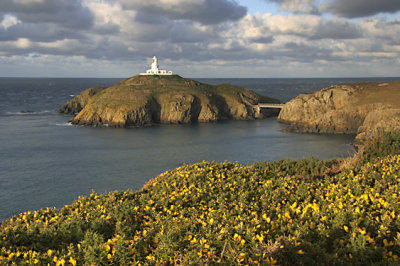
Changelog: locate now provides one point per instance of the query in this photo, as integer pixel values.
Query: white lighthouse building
(154, 69)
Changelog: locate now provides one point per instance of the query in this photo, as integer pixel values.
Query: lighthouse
(154, 69)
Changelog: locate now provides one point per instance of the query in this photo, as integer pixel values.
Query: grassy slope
(385, 93)
(135, 91)
(286, 212)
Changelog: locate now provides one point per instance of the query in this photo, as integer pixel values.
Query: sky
(200, 38)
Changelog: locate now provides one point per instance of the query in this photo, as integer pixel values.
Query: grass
(375, 93)
(304, 212)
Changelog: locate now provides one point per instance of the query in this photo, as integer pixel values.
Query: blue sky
(200, 38)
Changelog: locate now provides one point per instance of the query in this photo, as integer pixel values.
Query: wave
(67, 124)
(29, 112)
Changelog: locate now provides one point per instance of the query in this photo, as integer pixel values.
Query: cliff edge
(362, 108)
(145, 100)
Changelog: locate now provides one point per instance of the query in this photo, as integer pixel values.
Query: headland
(153, 99)
(366, 109)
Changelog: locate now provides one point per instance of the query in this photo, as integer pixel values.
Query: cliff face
(144, 100)
(363, 109)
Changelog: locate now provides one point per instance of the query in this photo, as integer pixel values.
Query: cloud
(297, 6)
(38, 32)
(191, 32)
(204, 11)
(312, 27)
(69, 13)
(190, 35)
(9, 21)
(360, 8)
(382, 31)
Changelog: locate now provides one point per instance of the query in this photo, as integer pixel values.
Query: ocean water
(46, 162)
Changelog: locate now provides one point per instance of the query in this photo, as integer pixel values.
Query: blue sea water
(46, 162)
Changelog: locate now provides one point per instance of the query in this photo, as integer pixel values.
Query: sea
(47, 162)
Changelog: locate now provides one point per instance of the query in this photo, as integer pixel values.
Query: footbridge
(271, 105)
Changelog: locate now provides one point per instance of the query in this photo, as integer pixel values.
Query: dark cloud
(68, 13)
(187, 32)
(266, 39)
(361, 8)
(38, 32)
(145, 32)
(145, 17)
(305, 53)
(206, 12)
(107, 29)
(337, 29)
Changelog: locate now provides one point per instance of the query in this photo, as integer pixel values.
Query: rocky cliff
(146, 100)
(363, 108)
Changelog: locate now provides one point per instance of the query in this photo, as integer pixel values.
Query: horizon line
(77, 77)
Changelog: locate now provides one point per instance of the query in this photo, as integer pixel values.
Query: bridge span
(271, 105)
(268, 105)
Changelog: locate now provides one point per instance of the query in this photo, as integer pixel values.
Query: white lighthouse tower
(154, 69)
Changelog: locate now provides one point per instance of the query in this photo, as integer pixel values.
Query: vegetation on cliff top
(142, 100)
(286, 212)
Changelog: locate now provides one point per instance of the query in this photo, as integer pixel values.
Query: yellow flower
(312, 225)
(150, 257)
(72, 261)
(301, 252)
(60, 262)
(271, 261)
(345, 228)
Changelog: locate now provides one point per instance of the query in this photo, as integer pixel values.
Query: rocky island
(152, 99)
(363, 108)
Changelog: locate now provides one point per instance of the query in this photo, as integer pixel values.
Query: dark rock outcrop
(146, 100)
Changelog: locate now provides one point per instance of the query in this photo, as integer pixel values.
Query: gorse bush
(286, 212)
(385, 144)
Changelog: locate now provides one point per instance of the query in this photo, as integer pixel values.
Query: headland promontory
(361, 108)
(153, 99)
